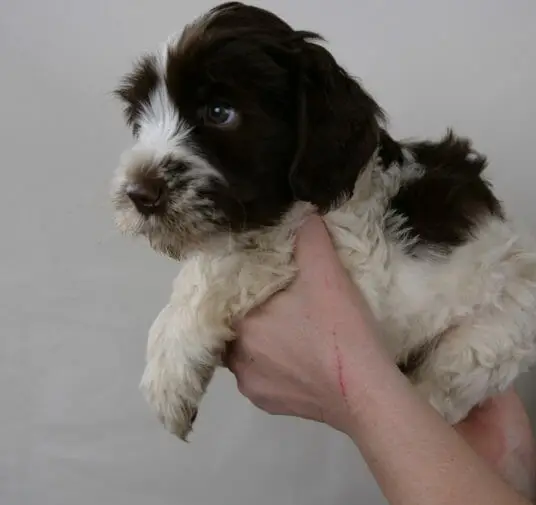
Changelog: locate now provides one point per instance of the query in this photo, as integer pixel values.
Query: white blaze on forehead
(160, 123)
(160, 126)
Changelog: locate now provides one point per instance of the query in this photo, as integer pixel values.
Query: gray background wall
(76, 299)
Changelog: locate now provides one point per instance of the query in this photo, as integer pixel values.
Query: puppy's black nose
(148, 196)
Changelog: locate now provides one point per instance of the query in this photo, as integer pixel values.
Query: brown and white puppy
(243, 126)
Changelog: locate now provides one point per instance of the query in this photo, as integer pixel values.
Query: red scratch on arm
(340, 372)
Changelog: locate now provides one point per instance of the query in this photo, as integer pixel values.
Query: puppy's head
(234, 121)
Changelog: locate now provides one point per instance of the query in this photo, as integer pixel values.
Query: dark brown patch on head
(446, 204)
(307, 127)
(233, 56)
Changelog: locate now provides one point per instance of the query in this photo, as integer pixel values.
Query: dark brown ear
(338, 129)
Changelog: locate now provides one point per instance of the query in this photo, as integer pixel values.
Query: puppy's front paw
(174, 399)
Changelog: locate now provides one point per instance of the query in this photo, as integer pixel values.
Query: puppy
(243, 127)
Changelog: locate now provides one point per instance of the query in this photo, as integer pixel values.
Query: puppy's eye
(219, 114)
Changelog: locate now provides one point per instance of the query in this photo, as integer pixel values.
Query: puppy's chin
(165, 234)
(171, 247)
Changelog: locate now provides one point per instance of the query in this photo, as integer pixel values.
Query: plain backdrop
(76, 298)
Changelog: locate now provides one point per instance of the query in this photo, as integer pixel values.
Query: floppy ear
(338, 129)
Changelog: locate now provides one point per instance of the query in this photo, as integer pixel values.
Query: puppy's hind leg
(477, 359)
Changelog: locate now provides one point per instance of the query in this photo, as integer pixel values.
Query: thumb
(315, 250)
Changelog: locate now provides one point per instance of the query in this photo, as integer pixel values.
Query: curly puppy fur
(244, 126)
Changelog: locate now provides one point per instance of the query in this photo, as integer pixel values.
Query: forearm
(414, 455)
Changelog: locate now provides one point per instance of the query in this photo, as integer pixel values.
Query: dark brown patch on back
(446, 204)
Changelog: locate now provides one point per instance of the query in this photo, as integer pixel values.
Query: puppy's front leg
(184, 348)
(181, 358)
(189, 335)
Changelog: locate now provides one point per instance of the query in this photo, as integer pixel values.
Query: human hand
(289, 356)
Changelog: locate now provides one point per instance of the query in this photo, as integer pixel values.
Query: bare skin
(312, 352)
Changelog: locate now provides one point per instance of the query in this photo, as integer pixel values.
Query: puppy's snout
(149, 196)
